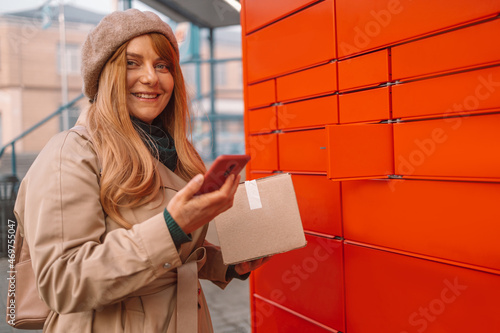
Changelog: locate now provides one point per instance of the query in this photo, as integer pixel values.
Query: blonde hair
(130, 177)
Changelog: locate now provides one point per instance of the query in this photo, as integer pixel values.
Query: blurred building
(31, 80)
(31, 68)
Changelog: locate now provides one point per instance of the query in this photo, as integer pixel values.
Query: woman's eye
(162, 66)
(130, 63)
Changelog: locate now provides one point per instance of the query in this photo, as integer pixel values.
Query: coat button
(167, 265)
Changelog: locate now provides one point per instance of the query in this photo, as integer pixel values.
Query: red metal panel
(387, 292)
(319, 203)
(262, 12)
(257, 175)
(447, 95)
(467, 47)
(365, 70)
(310, 82)
(414, 262)
(426, 217)
(360, 151)
(365, 106)
(263, 150)
(457, 148)
(291, 278)
(269, 318)
(262, 120)
(308, 113)
(303, 151)
(287, 45)
(261, 94)
(366, 24)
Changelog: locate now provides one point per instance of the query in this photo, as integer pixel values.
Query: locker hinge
(393, 83)
(390, 121)
(388, 84)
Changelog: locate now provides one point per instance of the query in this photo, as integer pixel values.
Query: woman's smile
(146, 96)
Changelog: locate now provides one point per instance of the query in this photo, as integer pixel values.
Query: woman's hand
(248, 266)
(192, 212)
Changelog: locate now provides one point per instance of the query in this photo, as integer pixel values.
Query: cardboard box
(263, 221)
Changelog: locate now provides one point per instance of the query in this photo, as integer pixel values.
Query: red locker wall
(386, 113)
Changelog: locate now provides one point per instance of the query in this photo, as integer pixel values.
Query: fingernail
(198, 178)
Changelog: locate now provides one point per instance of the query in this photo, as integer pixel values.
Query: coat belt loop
(187, 292)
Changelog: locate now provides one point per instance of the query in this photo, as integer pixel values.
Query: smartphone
(221, 168)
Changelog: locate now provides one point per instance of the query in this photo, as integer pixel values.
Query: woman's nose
(149, 76)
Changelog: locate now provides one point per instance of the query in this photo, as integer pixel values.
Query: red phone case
(222, 167)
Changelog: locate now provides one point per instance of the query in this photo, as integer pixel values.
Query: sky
(100, 6)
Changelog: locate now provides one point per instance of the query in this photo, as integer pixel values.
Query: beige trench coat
(95, 275)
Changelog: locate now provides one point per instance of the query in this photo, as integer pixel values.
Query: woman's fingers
(176, 206)
(229, 185)
(192, 187)
(266, 259)
(191, 212)
(236, 182)
(248, 266)
(223, 198)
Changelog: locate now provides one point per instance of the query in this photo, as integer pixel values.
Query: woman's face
(149, 81)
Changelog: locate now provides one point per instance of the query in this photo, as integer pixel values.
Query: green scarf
(159, 142)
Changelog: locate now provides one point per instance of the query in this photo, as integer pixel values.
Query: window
(221, 74)
(73, 59)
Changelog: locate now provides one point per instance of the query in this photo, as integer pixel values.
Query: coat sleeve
(77, 265)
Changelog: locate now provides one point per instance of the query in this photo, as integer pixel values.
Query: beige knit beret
(114, 30)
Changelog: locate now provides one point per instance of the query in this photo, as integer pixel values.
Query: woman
(116, 235)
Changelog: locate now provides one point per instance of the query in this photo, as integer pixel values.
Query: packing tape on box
(253, 194)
